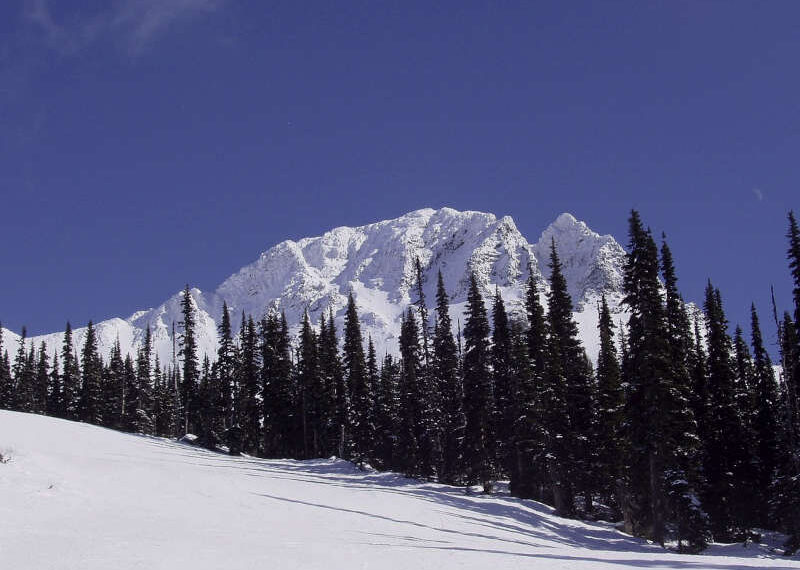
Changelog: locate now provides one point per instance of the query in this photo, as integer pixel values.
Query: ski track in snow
(76, 496)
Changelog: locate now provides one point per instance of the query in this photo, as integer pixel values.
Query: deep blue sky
(149, 143)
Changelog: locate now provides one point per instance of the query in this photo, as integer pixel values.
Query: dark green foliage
(424, 320)
(659, 427)
(532, 429)
(114, 392)
(335, 407)
(89, 408)
(310, 407)
(249, 382)
(23, 373)
(54, 392)
(6, 381)
(569, 369)
(682, 470)
(70, 378)
(361, 391)
(142, 399)
(165, 401)
(373, 381)
(766, 405)
(280, 420)
(407, 452)
(787, 496)
(445, 371)
(478, 393)
(220, 414)
(387, 418)
(41, 381)
(726, 459)
(505, 406)
(429, 436)
(610, 408)
(191, 364)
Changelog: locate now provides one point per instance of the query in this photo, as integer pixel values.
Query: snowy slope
(79, 496)
(376, 262)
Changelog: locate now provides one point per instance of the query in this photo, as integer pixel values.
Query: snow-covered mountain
(376, 263)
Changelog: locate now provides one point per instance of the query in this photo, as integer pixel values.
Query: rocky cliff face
(376, 263)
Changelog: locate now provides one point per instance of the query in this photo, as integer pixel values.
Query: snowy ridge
(376, 263)
(73, 495)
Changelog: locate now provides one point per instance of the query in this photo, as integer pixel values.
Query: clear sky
(145, 144)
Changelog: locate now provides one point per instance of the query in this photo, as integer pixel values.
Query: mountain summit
(376, 262)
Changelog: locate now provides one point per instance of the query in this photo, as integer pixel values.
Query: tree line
(681, 431)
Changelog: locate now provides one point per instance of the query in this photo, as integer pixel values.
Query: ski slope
(75, 496)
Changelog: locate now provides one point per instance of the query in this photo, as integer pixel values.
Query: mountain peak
(377, 262)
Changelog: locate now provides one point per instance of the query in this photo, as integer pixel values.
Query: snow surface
(376, 263)
(79, 496)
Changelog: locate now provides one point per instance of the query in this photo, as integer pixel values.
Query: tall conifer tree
(92, 369)
(445, 370)
(478, 393)
(355, 367)
(765, 424)
(506, 408)
(571, 363)
(6, 386)
(407, 456)
(70, 378)
(191, 364)
(610, 407)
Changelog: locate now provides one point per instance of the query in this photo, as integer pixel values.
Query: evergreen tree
(249, 381)
(506, 401)
(725, 456)
(407, 454)
(162, 400)
(387, 420)
(363, 429)
(89, 406)
(478, 392)
(698, 366)
(220, 413)
(191, 364)
(335, 398)
(424, 318)
(610, 407)
(206, 434)
(765, 425)
(570, 361)
(373, 381)
(26, 386)
(129, 380)
(541, 406)
(277, 387)
(787, 488)
(429, 433)
(312, 420)
(445, 371)
(681, 474)
(54, 393)
(70, 378)
(143, 401)
(41, 381)
(21, 390)
(6, 386)
(654, 409)
(113, 392)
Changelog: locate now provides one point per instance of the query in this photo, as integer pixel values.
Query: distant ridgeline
(664, 422)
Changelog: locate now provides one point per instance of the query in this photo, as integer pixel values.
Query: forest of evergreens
(682, 432)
